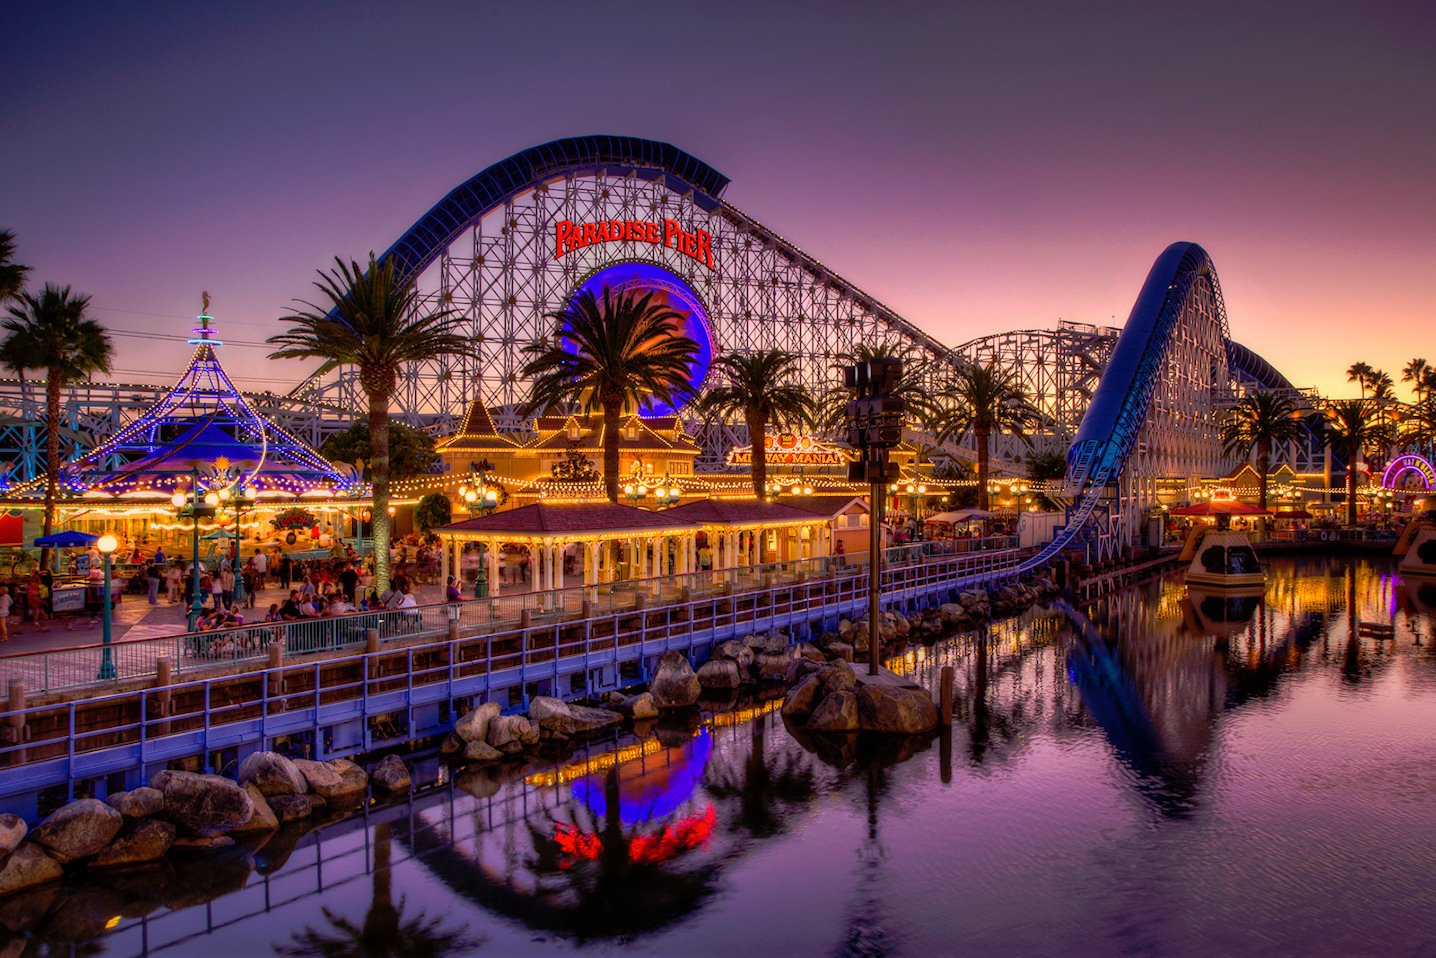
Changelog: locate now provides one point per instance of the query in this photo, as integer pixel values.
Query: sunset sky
(976, 166)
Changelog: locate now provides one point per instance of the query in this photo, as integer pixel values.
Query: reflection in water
(1142, 775)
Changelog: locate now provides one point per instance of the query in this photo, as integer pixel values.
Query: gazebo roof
(824, 505)
(738, 512)
(565, 521)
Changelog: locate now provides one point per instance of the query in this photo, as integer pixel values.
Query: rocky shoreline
(187, 826)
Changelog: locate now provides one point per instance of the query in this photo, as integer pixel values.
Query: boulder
(839, 649)
(322, 778)
(898, 709)
(141, 841)
(846, 630)
(776, 643)
(204, 805)
(81, 912)
(479, 783)
(453, 744)
(12, 833)
(773, 666)
(839, 677)
(674, 684)
(263, 819)
(835, 713)
(139, 802)
(810, 652)
(481, 752)
(803, 698)
(510, 733)
(755, 643)
(551, 714)
(392, 775)
(639, 707)
(290, 808)
(737, 652)
(720, 673)
(206, 843)
(356, 780)
(29, 865)
(586, 719)
(25, 909)
(473, 725)
(272, 774)
(78, 830)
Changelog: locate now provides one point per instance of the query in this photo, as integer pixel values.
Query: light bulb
(107, 544)
(178, 500)
(211, 500)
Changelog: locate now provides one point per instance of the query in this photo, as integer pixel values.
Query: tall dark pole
(107, 662)
(875, 577)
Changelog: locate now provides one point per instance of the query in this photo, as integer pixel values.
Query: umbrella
(69, 539)
(1227, 507)
(218, 534)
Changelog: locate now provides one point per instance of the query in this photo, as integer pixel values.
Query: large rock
(139, 802)
(639, 707)
(776, 643)
(897, 709)
(263, 819)
(272, 774)
(552, 714)
(738, 652)
(674, 684)
(29, 865)
(322, 778)
(392, 775)
(839, 678)
(839, 649)
(803, 698)
(291, 808)
(773, 666)
(473, 725)
(510, 733)
(204, 805)
(810, 652)
(835, 713)
(12, 833)
(142, 841)
(481, 752)
(587, 719)
(721, 673)
(78, 830)
(355, 779)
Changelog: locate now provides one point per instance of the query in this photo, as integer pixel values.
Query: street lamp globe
(107, 544)
(178, 500)
(211, 499)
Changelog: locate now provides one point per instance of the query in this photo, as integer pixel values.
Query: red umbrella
(1226, 507)
(1293, 514)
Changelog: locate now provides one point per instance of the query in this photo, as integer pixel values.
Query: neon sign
(569, 236)
(787, 449)
(1409, 463)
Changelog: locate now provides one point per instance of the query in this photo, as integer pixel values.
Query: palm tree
(1353, 425)
(986, 398)
(918, 400)
(51, 332)
(760, 385)
(12, 274)
(1358, 373)
(1050, 466)
(624, 349)
(1261, 420)
(1415, 373)
(372, 321)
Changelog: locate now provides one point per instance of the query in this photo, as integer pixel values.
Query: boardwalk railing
(914, 566)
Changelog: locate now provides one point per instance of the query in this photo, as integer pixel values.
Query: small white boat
(1417, 548)
(1222, 559)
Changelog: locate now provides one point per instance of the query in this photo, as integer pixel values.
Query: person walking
(286, 571)
(226, 587)
(5, 603)
(152, 578)
(172, 582)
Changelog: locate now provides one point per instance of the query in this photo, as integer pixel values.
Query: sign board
(787, 449)
(71, 599)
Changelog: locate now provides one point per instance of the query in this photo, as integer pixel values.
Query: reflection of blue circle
(649, 788)
(642, 277)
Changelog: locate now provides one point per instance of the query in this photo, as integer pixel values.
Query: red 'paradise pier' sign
(569, 236)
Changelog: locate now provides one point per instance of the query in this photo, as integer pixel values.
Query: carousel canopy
(204, 422)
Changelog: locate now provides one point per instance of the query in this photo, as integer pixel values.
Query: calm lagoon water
(1189, 776)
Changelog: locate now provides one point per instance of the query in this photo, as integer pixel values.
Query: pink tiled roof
(728, 510)
(544, 517)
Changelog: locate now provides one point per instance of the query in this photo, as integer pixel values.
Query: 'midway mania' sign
(787, 449)
(569, 236)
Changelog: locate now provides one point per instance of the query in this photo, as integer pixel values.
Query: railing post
(15, 722)
(274, 681)
(162, 699)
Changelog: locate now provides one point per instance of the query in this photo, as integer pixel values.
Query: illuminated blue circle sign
(671, 291)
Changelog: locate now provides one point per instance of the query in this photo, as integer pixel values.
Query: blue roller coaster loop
(1113, 421)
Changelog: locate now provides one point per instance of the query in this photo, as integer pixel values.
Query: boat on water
(1417, 549)
(1222, 559)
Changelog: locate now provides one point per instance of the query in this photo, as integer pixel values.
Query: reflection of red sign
(680, 836)
(787, 449)
(569, 236)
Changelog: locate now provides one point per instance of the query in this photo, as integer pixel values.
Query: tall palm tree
(761, 386)
(1352, 426)
(1415, 373)
(12, 274)
(625, 349)
(986, 398)
(920, 405)
(372, 321)
(1358, 373)
(52, 332)
(1261, 420)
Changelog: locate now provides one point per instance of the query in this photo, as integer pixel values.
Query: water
(1166, 784)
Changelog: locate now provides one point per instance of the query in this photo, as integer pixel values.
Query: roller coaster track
(1109, 430)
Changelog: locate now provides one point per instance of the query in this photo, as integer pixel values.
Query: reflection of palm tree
(385, 932)
(784, 778)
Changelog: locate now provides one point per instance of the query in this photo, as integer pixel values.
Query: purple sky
(976, 166)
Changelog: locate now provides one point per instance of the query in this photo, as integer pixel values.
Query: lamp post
(667, 493)
(480, 500)
(107, 546)
(238, 500)
(636, 491)
(195, 510)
